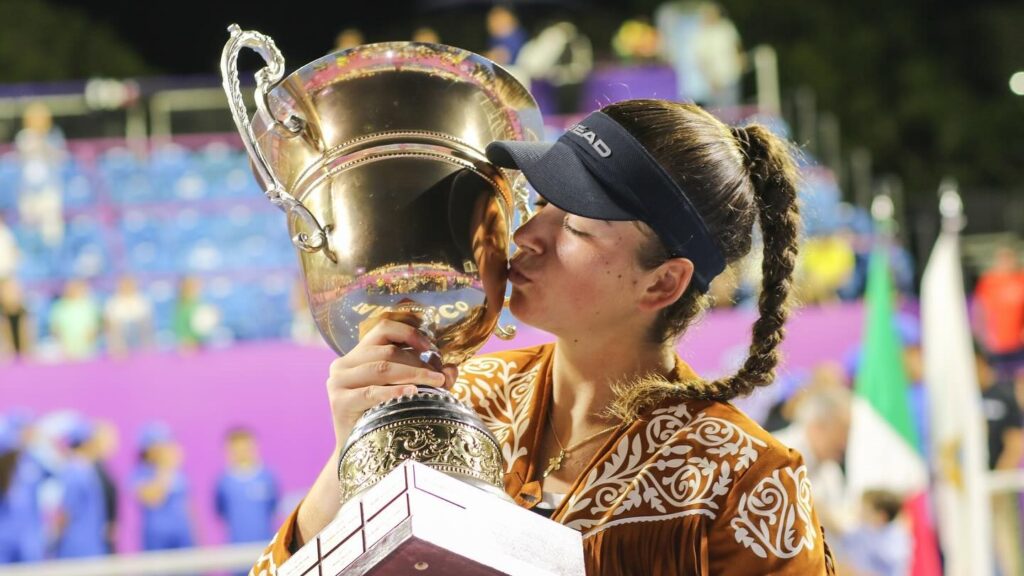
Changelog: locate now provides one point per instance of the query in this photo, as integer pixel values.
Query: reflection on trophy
(376, 154)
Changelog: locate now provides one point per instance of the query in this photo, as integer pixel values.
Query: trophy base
(421, 521)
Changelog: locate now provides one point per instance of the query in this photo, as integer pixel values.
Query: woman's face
(574, 275)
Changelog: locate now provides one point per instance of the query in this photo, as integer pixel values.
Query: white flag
(957, 427)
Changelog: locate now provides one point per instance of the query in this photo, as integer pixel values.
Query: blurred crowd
(695, 42)
(872, 536)
(81, 326)
(59, 499)
(62, 300)
(68, 291)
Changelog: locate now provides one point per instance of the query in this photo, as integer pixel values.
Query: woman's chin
(520, 309)
(532, 318)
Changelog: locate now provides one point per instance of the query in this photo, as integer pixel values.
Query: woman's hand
(385, 364)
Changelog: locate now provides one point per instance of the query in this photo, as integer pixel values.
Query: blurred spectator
(8, 252)
(193, 320)
(999, 303)
(247, 492)
(793, 387)
(677, 22)
(128, 317)
(880, 545)
(426, 34)
(75, 321)
(348, 38)
(901, 265)
(9, 522)
(821, 425)
(1005, 452)
(22, 531)
(82, 521)
(162, 491)
(637, 42)
(17, 334)
(748, 276)
(507, 37)
(103, 445)
(556, 62)
(826, 263)
(42, 151)
(303, 329)
(719, 56)
(560, 54)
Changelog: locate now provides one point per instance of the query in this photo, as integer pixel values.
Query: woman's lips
(517, 277)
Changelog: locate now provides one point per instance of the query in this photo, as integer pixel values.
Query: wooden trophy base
(421, 521)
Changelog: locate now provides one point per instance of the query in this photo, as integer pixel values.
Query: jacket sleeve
(768, 523)
(278, 550)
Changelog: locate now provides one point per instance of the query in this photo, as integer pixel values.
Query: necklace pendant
(554, 463)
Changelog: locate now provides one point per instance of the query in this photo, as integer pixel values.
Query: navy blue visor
(598, 170)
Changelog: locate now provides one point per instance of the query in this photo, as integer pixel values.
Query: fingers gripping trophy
(376, 155)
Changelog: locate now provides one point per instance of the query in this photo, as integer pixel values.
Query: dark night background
(922, 85)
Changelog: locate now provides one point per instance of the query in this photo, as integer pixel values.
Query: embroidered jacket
(687, 488)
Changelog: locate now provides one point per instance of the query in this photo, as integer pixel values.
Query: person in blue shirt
(507, 37)
(881, 545)
(22, 534)
(162, 490)
(246, 495)
(82, 520)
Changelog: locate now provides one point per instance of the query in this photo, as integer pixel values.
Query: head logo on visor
(596, 143)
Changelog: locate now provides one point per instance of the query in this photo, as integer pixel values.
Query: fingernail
(409, 391)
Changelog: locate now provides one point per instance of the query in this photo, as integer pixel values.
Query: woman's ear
(666, 283)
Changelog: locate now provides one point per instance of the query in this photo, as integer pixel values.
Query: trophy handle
(506, 332)
(266, 77)
(521, 198)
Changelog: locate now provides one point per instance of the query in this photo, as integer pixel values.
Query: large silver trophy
(376, 153)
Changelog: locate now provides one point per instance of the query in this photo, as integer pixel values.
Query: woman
(606, 430)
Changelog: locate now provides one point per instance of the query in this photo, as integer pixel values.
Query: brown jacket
(682, 487)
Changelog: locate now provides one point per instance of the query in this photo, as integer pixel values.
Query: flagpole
(958, 429)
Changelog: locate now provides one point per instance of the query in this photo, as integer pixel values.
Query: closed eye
(539, 203)
(570, 229)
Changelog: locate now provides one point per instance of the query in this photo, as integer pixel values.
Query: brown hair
(731, 176)
(886, 502)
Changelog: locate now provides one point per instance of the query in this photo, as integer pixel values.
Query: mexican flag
(883, 451)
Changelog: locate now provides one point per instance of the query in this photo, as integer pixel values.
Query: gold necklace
(555, 462)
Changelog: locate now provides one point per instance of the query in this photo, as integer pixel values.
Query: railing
(193, 561)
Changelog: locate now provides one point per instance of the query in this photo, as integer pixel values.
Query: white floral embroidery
(767, 522)
(656, 474)
(502, 398)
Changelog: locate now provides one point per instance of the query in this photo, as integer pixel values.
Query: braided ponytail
(773, 174)
(732, 177)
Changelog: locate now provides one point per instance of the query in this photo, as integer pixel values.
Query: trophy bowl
(376, 153)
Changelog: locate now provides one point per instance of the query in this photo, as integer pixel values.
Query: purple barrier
(276, 389)
(614, 83)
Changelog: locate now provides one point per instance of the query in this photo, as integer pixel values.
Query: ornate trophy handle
(265, 79)
(521, 200)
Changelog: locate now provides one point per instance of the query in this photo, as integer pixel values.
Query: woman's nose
(527, 236)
